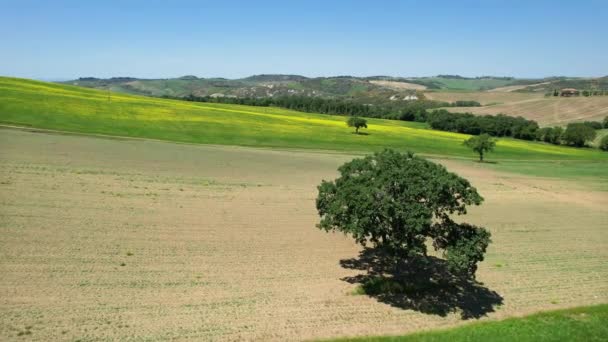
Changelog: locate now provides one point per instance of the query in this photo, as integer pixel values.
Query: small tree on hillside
(481, 144)
(396, 202)
(605, 122)
(357, 122)
(578, 134)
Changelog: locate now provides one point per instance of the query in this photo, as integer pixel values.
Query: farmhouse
(569, 92)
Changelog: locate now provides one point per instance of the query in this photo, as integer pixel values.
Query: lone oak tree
(356, 122)
(481, 144)
(398, 202)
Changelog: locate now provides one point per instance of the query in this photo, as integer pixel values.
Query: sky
(58, 40)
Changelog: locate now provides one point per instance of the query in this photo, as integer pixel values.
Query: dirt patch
(110, 239)
(516, 87)
(484, 97)
(547, 111)
(399, 85)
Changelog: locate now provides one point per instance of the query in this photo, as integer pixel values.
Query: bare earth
(547, 111)
(119, 239)
(398, 85)
(516, 87)
(483, 97)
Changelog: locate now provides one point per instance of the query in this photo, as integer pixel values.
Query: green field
(61, 107)
(579, 324)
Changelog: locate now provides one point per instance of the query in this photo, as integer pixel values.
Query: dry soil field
(547, 111)
(398, 85)
(122, 239)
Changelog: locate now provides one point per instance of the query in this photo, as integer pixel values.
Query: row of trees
(495, 125)
(576, 134)
(585, 92)
(402, 110)
(405, 111)
(397, 110)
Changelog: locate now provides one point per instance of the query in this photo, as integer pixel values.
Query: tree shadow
(361, 133)
(422, 284)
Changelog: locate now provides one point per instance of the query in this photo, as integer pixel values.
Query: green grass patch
(579, 324)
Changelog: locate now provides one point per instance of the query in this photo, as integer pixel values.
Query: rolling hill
(366, 89)
(76, 109)
(498, 95)
(253, 86)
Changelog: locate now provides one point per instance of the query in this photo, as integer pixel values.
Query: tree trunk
(481, 157)
(356, 130)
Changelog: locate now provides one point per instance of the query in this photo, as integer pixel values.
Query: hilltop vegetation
(62, 107)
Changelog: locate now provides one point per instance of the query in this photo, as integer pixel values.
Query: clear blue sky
(68, 39)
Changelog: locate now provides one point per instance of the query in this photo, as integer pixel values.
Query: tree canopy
(496, 125)
(399, 201)
(578, 134)
(481, 144)
(357, 122)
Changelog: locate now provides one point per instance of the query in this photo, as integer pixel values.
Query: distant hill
(360, 89)
(275, 78)
(506, 95)
(367, 89)
(600, 83)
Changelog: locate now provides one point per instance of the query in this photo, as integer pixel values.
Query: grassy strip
(54, 106)
(579, 324)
